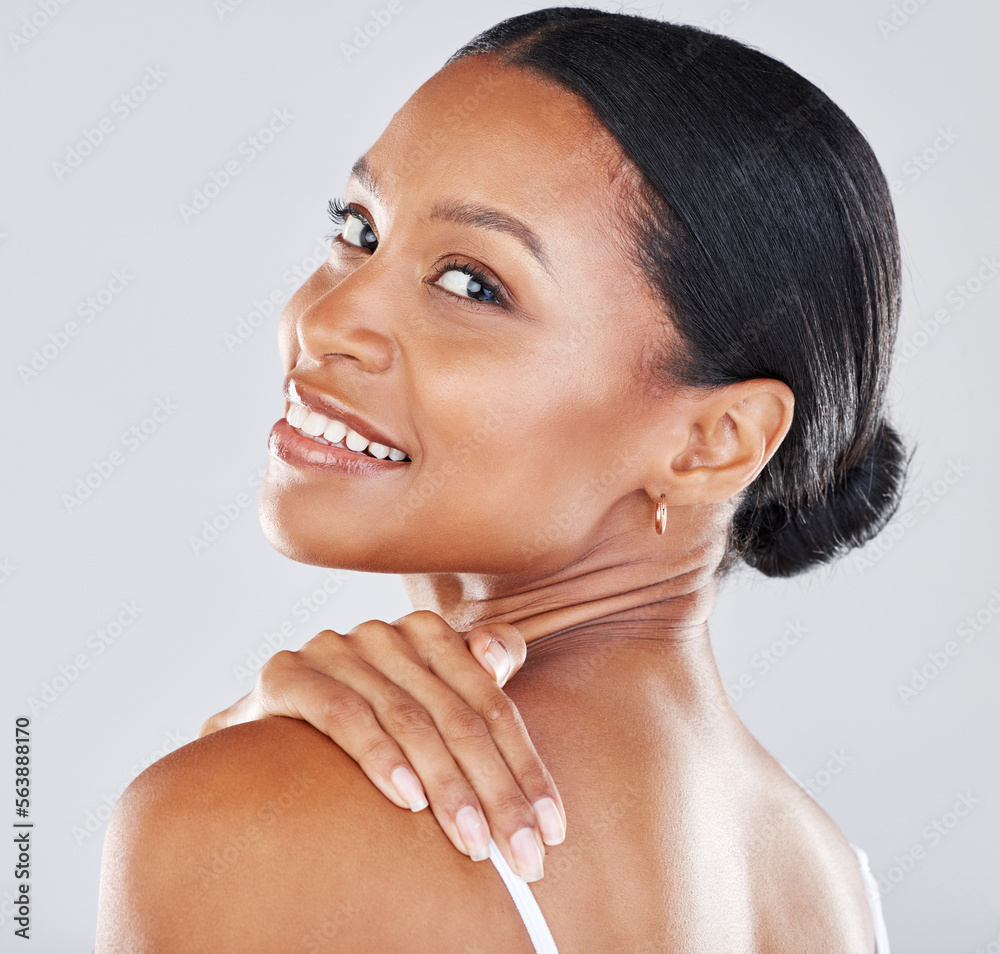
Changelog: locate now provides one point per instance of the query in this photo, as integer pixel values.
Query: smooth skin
(683, 834)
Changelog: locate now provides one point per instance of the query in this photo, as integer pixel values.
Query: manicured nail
(549, 821)
(497, 657)
(409, 788)
(474, 833)
(527, 856)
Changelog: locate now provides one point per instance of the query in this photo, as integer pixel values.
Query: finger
(447, 742)
(488, 714)
(499, 648)
(511, 737)
(406, 722)
(501, 716)
(348, 719)
(232, 715)
(484, 772)
(339, 712)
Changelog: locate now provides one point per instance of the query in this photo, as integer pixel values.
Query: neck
(634, 585)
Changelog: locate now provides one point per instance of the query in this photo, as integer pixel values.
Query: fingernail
(527, 856)
(409, 788)
(473, 832)
(549, 821)
(497, 657)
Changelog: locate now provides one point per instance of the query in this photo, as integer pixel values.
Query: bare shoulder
(267, 836)
(811, 889)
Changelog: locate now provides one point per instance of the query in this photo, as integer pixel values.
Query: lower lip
(286, 444)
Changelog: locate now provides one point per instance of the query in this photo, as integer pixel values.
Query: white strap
(526, 904)
(874, 902)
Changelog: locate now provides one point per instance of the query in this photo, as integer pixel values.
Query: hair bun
(780, 541)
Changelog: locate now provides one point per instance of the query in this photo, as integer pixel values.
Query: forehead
(508, 137)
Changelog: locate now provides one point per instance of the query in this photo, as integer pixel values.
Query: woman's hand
(413, 700)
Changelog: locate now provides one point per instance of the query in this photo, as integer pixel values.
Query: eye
(467, 281)
(461, 279)
(353, 227)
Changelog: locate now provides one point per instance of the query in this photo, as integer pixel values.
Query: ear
(732, 432)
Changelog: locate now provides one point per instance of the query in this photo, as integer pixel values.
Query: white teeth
(314, 424)
(355, 441)
(325, 429)
(296, 415)
(335, 432)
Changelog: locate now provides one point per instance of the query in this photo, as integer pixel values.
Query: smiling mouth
(333, 433)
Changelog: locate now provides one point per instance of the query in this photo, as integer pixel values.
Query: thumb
(500, 649)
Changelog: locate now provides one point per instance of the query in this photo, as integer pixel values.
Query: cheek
(537, 455)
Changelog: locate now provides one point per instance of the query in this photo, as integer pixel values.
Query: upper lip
(323, 404)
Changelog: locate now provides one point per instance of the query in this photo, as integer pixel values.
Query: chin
(294, 532)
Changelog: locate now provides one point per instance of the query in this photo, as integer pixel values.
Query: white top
(526, 904)
(541, 937)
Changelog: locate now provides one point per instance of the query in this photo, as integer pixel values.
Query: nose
(346, 322)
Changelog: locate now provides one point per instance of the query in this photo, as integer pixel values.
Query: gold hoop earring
(661, 515)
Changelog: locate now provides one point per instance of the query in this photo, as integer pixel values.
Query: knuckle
(282, 660)
(323, 640)
(378, 751)
(370, 628)
(510, 801)
(500, 714)
(423, 616)
(535, 781)
(466, 725)
(451, 791)
(407, 717)
(345, 709)
(277, 669)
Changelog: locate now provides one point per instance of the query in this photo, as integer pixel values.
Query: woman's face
(514, 390)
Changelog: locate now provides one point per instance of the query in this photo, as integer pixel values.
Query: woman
(612, 307)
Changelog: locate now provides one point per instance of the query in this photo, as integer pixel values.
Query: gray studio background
(139, 635)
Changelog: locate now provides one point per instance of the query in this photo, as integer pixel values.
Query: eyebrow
(468, 213)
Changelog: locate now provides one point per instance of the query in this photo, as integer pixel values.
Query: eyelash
(338, 210)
